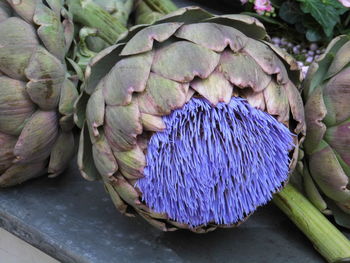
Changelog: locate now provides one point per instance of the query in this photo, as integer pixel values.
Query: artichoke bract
(327, 144)
(36, 96)
(192, 122)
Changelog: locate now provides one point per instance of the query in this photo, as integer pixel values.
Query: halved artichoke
(189, 59)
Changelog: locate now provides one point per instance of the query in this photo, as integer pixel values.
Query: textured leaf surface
(15, 105)
(194, 60)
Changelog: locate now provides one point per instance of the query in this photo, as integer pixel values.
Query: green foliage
(318, 20)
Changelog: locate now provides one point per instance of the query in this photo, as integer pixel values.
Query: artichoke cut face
(328, 124)
(211, 68)
(36, 96)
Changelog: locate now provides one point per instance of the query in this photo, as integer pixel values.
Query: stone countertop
(74, 220)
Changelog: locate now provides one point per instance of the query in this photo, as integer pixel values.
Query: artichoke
(191, 122)
(36, 95)
(327, 144)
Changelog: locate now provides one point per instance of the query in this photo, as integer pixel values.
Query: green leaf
(264, 19)
(290, 12)
(326, 14)
(313, 35)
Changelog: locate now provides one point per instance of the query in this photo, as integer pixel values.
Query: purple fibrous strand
(215, 164)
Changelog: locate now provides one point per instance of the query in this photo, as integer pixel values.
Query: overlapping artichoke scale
(158, 70)
(336, 94)
(21, 172)
(327, 170)
(15, 106)
(36, 102)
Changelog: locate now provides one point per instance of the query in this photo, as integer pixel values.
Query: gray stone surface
(74, 220)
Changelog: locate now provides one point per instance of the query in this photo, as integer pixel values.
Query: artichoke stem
(92, 15)
(161, 6)
(326, 238)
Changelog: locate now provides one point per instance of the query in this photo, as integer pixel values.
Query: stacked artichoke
(36, 95)
(327, 144)
(191, 71)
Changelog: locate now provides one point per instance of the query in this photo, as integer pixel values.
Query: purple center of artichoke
(215, 164)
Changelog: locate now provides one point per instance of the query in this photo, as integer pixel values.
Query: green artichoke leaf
(66, 122)
(259, 52)
(122, 125)
(213, 36)
(117, 201)
(152, 123)
(131, 162)
(323, 64)
(256, 99)
(186, 15)
(276, 101)
(194, 60)
(341, 217)
(18, 41)
(289, 62)
(143, 40)
(5, 11)
(162, 96)
(104, 159)
(297, 108)
(95, 112)
(216, 88)
(312, 192)
(100, 65)
(25, 9)
(85, 158)
(338, 137)
(336, 98)
(80, 109)
(46, 76)
(61, 154)
(249, 26)
(38, 136)
(341, 59)
(50, 31)
(7, 143)
(328, 173)
(127, 76)
(126, 191)
(68, 96)
(248, 74)
(316, 111)
(15, 106)
(21, 172)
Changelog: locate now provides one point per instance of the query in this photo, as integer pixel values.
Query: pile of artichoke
(191, 120)
(36, 93)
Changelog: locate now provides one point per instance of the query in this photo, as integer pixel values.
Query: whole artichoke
(327, 144)
(189, 121)
(36, 96)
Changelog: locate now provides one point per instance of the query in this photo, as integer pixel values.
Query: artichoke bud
(36, 96)
(327, 112)
(193, 121)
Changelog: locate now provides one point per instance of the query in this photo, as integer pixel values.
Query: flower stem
(92, 15)
(326, 238)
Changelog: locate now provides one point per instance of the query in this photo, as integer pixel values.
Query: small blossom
(345, 3)
(262, 5)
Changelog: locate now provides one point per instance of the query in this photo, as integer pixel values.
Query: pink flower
(345, 3)
(262, 5)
